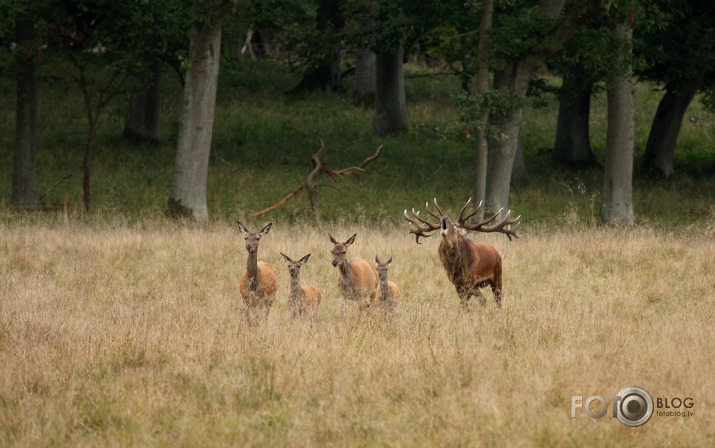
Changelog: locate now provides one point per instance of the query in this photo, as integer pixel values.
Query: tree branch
(319, 167)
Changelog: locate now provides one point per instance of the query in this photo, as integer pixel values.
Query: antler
(506, 226)
(422, 227)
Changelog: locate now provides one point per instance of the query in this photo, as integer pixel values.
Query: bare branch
(319, 167)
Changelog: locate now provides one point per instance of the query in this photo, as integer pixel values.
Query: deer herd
(470, 266)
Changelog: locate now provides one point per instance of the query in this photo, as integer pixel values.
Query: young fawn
(390, 294)
(258, 283)
(301, 299)
(358, 279)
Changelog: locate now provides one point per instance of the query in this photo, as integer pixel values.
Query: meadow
(121, 327)
(134, 336)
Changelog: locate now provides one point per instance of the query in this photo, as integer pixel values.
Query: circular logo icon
(635, 407)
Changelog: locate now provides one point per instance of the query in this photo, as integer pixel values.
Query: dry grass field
(124, 335)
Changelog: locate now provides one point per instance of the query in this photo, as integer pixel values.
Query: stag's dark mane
(457, 260)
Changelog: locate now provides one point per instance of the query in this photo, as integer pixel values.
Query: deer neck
(252, 270)
(346, 279)
(384, 289)
(344, 269)
(456, 256)
(294, 295)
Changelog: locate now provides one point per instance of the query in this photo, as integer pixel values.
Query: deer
(258, 282)
(358, 279)
(470, 265)
(390, 294)
(301, 299)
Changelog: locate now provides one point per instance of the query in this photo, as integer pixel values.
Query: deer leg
(496, 290)
(250, 317)
(464, 295)
(480, 297)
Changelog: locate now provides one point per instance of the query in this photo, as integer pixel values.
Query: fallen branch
(312, 188)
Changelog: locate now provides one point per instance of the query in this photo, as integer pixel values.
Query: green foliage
(677, 41)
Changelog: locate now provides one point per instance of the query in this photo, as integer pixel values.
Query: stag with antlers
(470, 265)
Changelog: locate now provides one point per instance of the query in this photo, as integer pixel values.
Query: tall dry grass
(128, 336)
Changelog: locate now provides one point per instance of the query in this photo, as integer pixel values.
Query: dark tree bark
(482, 87)
(143, 123)
(364, 94)
(664, 131)
(327, 74)
(572, 146)
(390, 103)
(618, 168)
(24, 189)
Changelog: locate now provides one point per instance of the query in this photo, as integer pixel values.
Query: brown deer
(301, 299)
(470, 265)
(258, 282)
(358, 279)
(390, 294)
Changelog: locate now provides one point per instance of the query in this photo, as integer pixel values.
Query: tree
(664, 131)
(188, 190)
(482, 88)
(144, 106)
(327, 73)
(678, 47)
(24, 189)
(158, 34)
(581, 62)
(390, 102)
(617, 197)
(364, 85)
(572, 145)
(519, 43)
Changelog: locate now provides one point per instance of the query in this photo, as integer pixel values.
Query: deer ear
(266, 229)
(304, 259)
(389, 261)
(332, 240)
(287, 258)
(241, 227)
(377, 260)
(351, 240)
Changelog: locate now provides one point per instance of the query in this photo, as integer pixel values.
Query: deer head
(340, 249)
(294, 266)
(382, 268)
(253, 238)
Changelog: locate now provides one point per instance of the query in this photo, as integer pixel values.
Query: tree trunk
(664, 132)
(364, 94)
(572, 146)
(513, 80)
(618, 173)
(390, 103)
(24, 189)
(500, 159)
(482, 81)
(188, 191)
(328, 73)
(143, 123)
